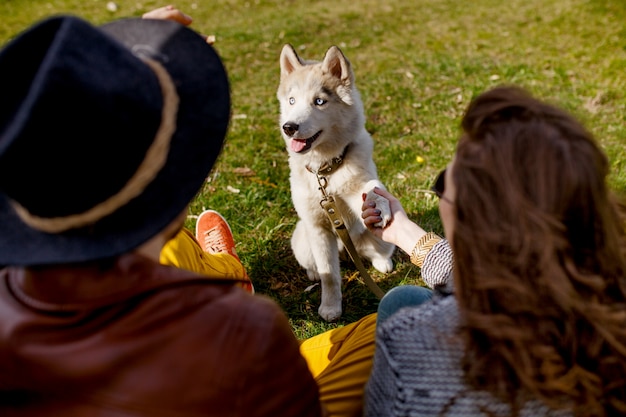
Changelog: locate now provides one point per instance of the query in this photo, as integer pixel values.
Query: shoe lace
(214, 241)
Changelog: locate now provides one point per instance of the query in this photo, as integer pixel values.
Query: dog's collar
(332, 165)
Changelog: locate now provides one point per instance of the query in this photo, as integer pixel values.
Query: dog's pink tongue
(298, 144)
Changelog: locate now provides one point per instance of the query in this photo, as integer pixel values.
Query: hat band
(153, 162)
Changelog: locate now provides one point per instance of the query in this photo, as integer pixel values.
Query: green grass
(418, 63)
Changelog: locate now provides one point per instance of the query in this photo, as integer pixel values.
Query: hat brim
(202, 121)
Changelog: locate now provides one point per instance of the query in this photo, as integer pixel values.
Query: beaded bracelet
(422, 247)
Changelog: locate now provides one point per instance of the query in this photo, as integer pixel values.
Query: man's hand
(169, 13)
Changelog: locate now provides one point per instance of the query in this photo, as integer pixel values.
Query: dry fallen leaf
(244, 171)
(233, 189)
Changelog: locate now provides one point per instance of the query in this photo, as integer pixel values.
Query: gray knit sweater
(416, 369)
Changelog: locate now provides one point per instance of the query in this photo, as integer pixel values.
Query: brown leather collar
(332, 165)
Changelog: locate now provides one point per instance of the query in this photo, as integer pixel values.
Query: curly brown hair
(540, 270)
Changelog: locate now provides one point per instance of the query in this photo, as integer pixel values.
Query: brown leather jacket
(135, 338)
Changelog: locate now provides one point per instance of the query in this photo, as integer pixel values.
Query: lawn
(418, 63)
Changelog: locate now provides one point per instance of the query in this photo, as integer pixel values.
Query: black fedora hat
(106, 134)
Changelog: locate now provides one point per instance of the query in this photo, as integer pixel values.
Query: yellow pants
(184, 251)
(339, 359)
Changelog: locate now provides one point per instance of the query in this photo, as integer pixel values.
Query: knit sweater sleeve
(437, 267)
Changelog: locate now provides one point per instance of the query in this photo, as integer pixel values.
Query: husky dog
(330, 153)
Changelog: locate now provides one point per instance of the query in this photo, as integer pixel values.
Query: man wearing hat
(106, 134)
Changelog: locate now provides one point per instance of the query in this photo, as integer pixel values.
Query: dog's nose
(290, 128)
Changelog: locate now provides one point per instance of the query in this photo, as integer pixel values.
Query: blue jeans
(402, 296)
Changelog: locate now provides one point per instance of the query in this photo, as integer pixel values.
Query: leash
(333, 214)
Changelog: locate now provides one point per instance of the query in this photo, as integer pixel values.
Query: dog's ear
(336, 64)
(289, 61)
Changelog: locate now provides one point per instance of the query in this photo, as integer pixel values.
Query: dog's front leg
(330, 307)
(316, 249)
(326, 254)
(327, 260)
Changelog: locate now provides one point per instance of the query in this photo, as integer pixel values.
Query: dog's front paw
(329, 313)
(382, 204)
(384, 265)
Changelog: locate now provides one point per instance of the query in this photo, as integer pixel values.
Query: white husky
(323, 125)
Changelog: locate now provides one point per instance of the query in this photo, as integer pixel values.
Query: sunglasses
(439, 187)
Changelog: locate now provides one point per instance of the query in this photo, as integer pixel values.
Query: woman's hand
(371, 215)
(400, 231)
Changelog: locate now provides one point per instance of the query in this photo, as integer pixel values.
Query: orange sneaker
(214, 234)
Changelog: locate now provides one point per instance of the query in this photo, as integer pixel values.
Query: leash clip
(323, 183)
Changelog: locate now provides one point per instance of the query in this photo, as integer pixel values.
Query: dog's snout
(290, 128)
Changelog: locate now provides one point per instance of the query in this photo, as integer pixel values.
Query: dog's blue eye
(292, 100)
(320, 101)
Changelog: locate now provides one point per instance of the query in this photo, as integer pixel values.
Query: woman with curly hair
(536, 322)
